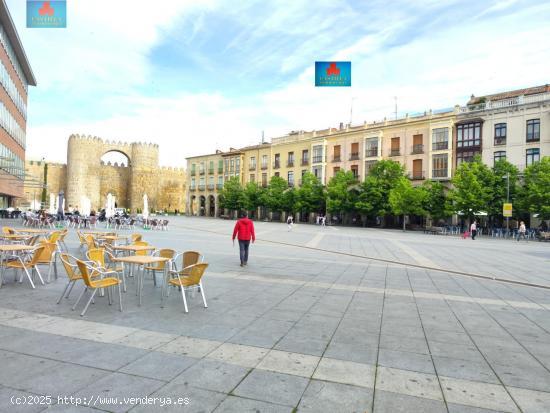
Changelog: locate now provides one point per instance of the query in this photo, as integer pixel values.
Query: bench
(434, 230)
(544, 236)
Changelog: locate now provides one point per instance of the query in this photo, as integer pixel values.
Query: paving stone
(190, 346)
(234, 404)
(17, 401)
(272, 387)
(460, 408)
(388, 402)
(406, 361)
(335, 397)
(213, 375)
(531, 401)
(407, 382)
(346, 372)
(289, 363)
(147, 340)
(397, 343)
(245, 356)
(477, 394)
(160, 366)
(359, 353)
(477, 370)
(303, 345)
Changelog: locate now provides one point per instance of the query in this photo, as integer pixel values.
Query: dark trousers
(243, 249)
(474, 233)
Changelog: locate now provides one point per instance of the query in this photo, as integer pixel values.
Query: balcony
(252, 167)
(219, 186)
(305, 162)
(211, 186)
(317, 159)
(201, 172)
(417, 149)
(192, 188)
(417, 175)
(264, 167)
(193, 172)
(336, 159)
(201, 187)
(291, 184)
(395, 152)
(220, 170)
(290, 164)
(211, 171)
(439, 173)
(354, 156)
(440, 146)
(500, 141)
(276, 165)
(372, 152)
(533, 137)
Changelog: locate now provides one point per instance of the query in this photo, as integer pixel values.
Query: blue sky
(194, 76)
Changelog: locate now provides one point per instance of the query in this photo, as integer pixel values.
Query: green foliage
(342, 192)
(536, 188)
(406, 199)
(252, 195)
(472, 188)
(289, 200)
(310, 197)
(272, 197)
(435, 203)
(232, 195)
(501, 170)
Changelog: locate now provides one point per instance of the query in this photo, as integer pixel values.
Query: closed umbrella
(109, 210)
(145, 209)
(52, 204)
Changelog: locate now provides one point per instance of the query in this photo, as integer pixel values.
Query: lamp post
(507, 199)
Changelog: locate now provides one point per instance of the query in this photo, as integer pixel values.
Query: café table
(12, 248)
(143, 260)
(34, 231)
(15, 237)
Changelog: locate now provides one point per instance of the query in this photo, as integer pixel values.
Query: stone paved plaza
(299, 329)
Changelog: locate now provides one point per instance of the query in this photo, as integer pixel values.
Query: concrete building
(512, 125)
(15, 76)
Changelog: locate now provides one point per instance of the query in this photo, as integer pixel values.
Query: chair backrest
(54, 237)
(165, 253)
(97, 255)
(136, 237)
(81, 237)
(36, 256)
(69, 268)
(190, 258)
(32, 240)
(196, 272)
(7, 230)
(84, 272)
(90, 242)
(47, 253)
(143, 244)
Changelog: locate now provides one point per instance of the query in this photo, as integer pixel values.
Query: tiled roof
(510, 94)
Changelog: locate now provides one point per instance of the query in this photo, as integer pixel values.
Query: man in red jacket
(244, 228)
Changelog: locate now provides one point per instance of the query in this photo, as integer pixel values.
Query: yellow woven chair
(48, 257)
(90, 242)
(142, 244)
(54, 237)
(8, 231)
(97, 256)
(73, 273)
(91, 284)
(188, 258)
(26, 263)
(190, 282)
(136, 237)
(160, 266)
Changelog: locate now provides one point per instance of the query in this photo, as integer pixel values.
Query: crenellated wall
(85, 175)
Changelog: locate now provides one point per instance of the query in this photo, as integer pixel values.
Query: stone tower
(144, 174)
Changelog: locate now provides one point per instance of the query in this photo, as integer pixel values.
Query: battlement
(114, 165)
(172, 169)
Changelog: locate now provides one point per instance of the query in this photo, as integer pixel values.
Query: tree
(251, 197)
(435, 203)
(310, 197)
(536, 188)
(342, 191)
(44, 188)
(375, 189)
(505, 178)
(272, 197)
(289, 200)
(232, 195)
(406, 199)
(472, 188)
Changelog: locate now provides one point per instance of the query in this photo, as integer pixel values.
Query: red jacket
(245, 228)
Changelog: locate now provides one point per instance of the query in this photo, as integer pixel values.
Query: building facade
(15, 76)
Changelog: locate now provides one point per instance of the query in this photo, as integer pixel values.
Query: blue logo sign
(46, 14)
(332, 73)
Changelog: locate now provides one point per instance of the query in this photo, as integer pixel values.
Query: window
(210, 182)
(193, 168)
(290, 178)
(418, 146)
(368, 166)
(220, 182)
(277, 174)
(264, 161)
(318, 153)
(211, 167)
(440, 139)
(238, 165)
(500, 134)
(252, 165)
(466, 156)
(252, 178)
(354, 152)
(304, 172)
(533, 130)
(531, 156)
(417, 172)
(468, 134)
(395, 144)
(371, 147)
(201, 168)
(440, 165)
(277, 163)
(201, 183)
(193, 182)
(305, 157)
(290, 162)
(336, 157)
(318, 172)
(220, 166)
(226, 165)
(335, 170)
(232, 166)
(355, 171)
(499, 155)
(264, 179)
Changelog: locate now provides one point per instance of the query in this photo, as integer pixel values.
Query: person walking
(244, 231)
(323, 220)
(290, 222)
(521, 231)
(473, 229)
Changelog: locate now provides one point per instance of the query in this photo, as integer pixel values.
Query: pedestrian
(318, 219)
(244, 231)
(289, 222)
(521, 231)
(473, 229)
(323, 221)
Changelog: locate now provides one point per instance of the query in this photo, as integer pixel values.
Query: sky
(195, 76)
